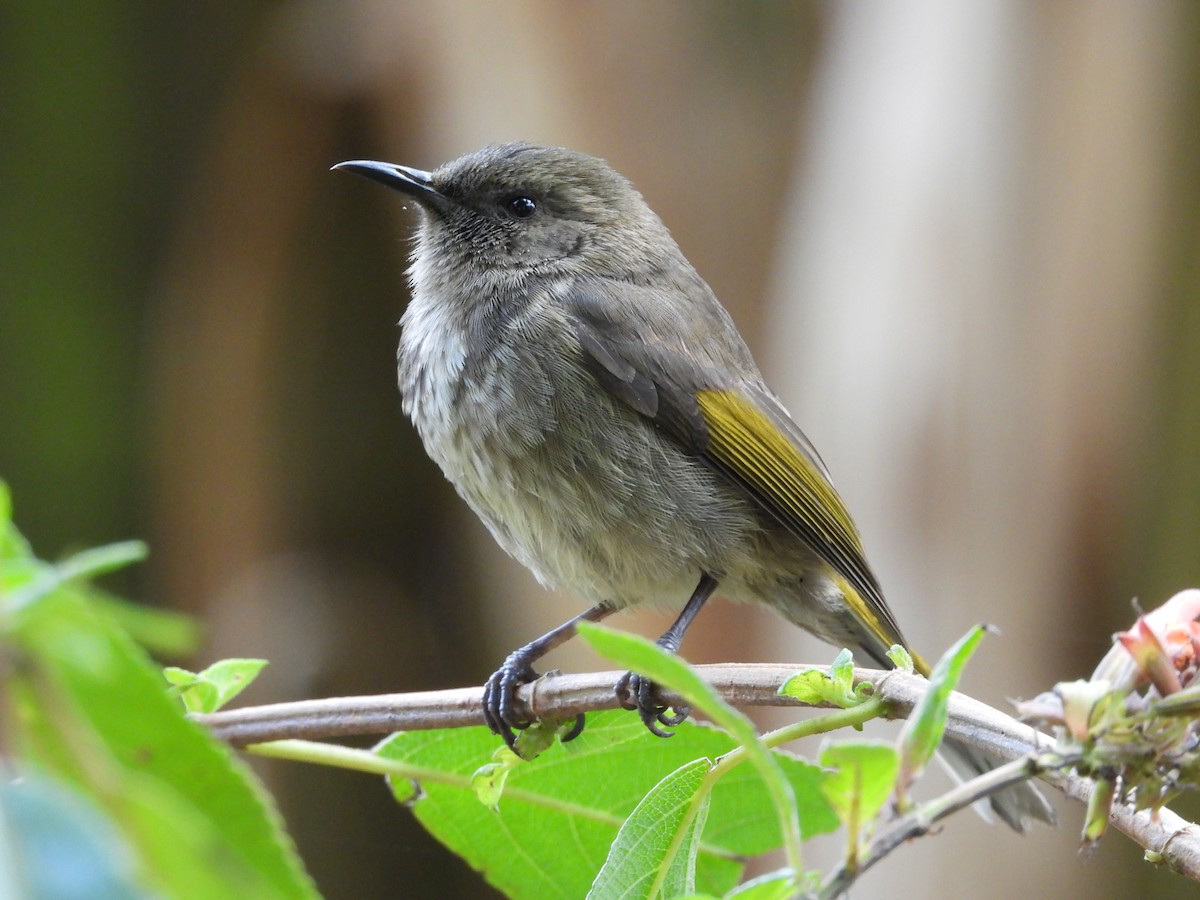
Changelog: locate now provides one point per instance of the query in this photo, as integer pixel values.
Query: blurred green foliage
(109, 788)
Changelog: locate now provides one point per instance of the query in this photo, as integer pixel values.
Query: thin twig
(552, 696)
(918, 822)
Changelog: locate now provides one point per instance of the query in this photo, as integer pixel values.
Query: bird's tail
(1018, 805)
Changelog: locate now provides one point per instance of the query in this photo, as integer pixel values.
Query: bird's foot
(500, 701)
(638, 692)
(500, 698)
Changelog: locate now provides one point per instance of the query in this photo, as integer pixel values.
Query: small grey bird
(588, 396)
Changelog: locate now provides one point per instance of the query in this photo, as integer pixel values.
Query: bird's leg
(500, 691)
(637, 692)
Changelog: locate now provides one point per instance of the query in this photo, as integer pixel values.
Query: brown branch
(1175, 841)
(563, 696)
(552, 696)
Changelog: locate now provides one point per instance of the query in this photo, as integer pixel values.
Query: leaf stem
(923, 818)
(852, 717)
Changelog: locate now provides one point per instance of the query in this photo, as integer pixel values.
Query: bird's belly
(602, 506)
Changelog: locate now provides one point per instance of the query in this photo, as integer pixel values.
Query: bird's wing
(733, 422)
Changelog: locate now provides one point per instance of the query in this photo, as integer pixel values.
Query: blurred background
(962, 239)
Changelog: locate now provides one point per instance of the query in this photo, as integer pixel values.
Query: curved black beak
(415, 183)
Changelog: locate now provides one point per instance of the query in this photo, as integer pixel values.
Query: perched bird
(588, 396)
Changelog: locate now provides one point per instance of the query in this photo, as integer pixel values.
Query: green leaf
(97, 561)
(778, 885)
(1099, 808)
(6, 524)
(488, 784)
(91, 709)
(163, 632)
(559, 814)
(24, 578)
(842, 670)
(534, 740)
(18, 566)
(670, 672)
(42, 580)
(661, 830)
(681, 875)
(208, 691)
(180, 678)
(195, 694)
(14, 549)
(861, 781)
(232, 676)
(743, 818)
(489, 779)
(816, 687)
(585, 790)
(812, 686)
(901, 658)
(922, 731)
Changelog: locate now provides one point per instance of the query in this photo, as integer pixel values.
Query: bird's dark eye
(520, 207)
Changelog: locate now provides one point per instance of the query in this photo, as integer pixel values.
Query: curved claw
(655, 730)
(576, 729)
(500, 695)
(637, 693)
(680, 716)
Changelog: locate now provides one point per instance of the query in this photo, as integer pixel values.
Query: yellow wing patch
(789, 484)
